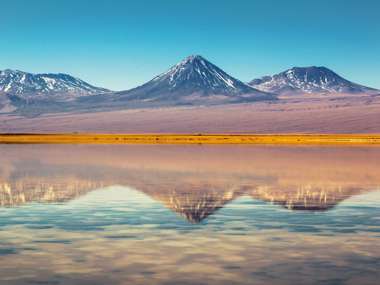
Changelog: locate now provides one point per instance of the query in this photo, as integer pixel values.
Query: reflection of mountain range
(194, 200)
(187, 191)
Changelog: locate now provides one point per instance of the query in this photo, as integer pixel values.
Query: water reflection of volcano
(192, 185)
(195, 204)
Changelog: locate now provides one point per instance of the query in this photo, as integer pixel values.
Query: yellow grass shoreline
(290, 139)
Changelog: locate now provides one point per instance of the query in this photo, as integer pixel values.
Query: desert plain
(339, 114)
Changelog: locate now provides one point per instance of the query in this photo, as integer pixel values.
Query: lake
(118, 214)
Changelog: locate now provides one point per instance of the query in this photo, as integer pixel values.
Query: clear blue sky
(120, 44)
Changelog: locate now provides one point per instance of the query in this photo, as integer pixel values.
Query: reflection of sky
(67, 227)
(120, 230)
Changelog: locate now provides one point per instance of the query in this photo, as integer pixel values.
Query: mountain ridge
(26, 84)
(310, 79)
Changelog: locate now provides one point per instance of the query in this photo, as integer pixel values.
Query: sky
(120, 44)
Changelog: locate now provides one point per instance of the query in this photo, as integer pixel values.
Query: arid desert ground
(319, 114)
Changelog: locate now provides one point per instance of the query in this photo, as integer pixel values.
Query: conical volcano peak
(195, 74)
(194, 57)
(195, 81)
(190, 62)
(193, 62)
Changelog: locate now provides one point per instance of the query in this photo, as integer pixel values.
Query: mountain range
(192, 82)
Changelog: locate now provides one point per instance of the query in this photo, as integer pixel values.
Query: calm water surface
(189, 215)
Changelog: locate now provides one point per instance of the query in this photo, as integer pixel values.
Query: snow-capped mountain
(311, 79)
(24, 84)
(194, 81)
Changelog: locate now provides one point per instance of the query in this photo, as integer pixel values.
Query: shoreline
(264, 139)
